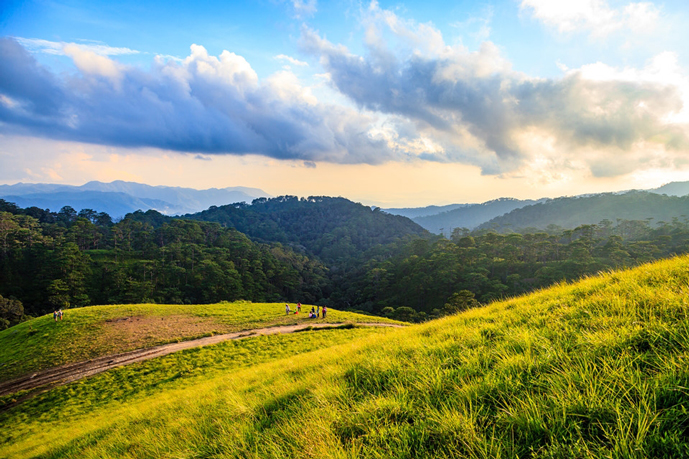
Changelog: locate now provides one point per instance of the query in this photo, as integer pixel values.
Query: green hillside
(332, 229)
(597, 368)
(570, 212)
(93, 331)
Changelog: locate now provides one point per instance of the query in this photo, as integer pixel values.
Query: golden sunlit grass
(92, 331)
(598, 368)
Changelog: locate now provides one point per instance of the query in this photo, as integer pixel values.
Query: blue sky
(393, 103)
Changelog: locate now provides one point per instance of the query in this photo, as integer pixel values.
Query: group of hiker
(57, 314)
(315, 313)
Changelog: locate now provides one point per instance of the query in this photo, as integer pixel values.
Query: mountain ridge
(570, 212)
(126, 197)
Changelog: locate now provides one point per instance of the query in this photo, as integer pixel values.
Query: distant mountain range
(119, 198)
(570, 212)
(443, 219)
(470, 216)
(673, 189)
(416, 212)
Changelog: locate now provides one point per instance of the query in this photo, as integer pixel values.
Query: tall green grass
(86, 333)
(107, 392)
(594, 369)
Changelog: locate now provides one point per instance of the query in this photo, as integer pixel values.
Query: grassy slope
(88, 404)
(94, 331)
(594, 369)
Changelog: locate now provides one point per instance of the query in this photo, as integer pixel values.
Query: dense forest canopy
(332, 229)
(424, 274)
(316, 250)
(50, 260)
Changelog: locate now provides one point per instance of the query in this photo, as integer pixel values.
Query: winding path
(64, 374)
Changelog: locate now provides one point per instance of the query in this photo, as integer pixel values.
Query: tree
(388, 311)
(460, 301)
(67, 215)
(11, 312)
(88, 214)
(8, 225)
(405, 314)
(58, 294)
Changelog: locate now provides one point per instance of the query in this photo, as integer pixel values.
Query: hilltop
(96, 331)
(329, 228)
(597, 368)
(318, 250)
(673, 189)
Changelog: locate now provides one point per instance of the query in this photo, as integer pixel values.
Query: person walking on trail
(59, 313)
(325, 310)
(299, 307)
(286, 308)
(55, 315)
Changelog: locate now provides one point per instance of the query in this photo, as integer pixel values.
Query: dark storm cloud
(205, 104)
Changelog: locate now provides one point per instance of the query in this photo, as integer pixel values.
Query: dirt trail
(58, 376)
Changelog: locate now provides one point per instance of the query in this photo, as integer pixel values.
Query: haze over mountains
(469, 215)
(119, 198)
(510, 213)
(570, 212)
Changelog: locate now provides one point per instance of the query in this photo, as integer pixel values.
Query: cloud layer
(593, 16)
(417, 98)
(203, 104)
(476, 109)
(57, 48)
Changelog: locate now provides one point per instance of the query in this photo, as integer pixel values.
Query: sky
(396, 104)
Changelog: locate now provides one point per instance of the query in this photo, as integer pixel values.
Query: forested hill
(470, 216)
(60, 259)
(57, 260)
(333, 229)
(570, 212)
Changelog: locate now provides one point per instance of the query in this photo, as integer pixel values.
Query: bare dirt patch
(136, 332)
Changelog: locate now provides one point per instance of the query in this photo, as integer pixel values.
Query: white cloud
(593, 16)
(641, 17)
(38, 45)
(480, 24)
(204, 104)
(663, 70)
(304, 7)
(292, 60)
(88, 62)
(477, 110)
